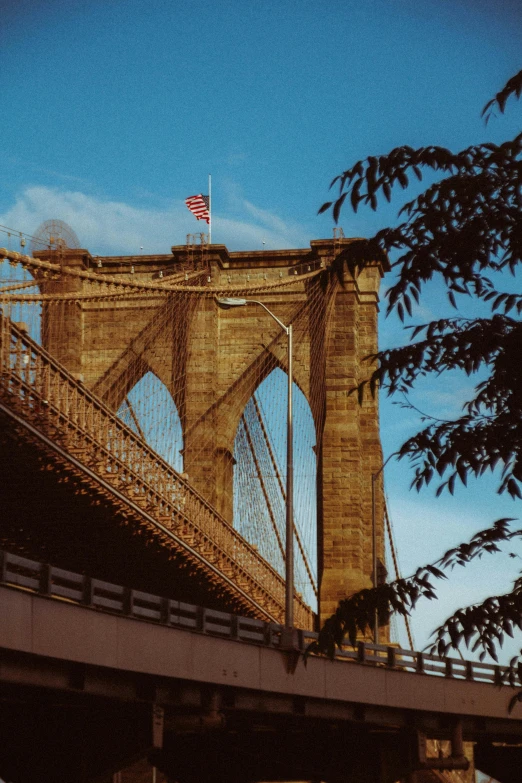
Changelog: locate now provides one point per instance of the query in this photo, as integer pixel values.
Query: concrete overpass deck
(201, 673)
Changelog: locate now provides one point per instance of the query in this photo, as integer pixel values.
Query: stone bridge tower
(223, 356)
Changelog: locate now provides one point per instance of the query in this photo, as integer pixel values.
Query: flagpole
(209, 209)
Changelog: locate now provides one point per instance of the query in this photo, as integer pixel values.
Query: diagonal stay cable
(283, 493)
(263, 487)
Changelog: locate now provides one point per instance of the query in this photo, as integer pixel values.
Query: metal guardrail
(57, 583)
(45, 394)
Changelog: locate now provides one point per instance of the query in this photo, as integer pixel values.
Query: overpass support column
(351, 450)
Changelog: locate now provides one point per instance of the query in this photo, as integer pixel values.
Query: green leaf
(324, 207)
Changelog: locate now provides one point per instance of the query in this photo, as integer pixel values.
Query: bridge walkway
(53, 409)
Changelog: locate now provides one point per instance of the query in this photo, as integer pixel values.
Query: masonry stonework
(214, 365)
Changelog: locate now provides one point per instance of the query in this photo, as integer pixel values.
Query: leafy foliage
(514, 85)
(481, 626)
(489, 433)
(467, 224)
(465, 230)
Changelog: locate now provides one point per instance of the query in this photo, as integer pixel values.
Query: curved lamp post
(227, 303)
(375, 476)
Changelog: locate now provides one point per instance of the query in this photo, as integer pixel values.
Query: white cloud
(111, 227)
(264, 217)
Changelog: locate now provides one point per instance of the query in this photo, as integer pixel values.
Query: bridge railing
(59, 584)
(421, 662)
(45, 394)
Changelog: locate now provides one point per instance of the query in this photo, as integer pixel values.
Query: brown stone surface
(213, 367)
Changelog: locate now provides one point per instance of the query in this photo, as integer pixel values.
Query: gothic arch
(259, 482)
(245, 386)
(149, 409)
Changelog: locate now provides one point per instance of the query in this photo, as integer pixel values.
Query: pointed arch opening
(149, 410)
(260, 480)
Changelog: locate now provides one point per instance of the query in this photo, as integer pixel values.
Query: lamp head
(227, 302)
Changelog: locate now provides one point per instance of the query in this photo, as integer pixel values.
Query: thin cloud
(23, 163)
(266, 218)
(112, 227)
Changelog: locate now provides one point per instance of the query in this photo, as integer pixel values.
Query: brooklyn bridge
(142, 588)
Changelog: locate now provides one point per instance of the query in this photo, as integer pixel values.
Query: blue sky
(114, 111)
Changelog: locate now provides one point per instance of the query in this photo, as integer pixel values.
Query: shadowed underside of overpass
(53, 513)
(60, 738)
(84, 692)
(62, 734)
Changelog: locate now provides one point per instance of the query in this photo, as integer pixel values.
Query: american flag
(199, 205)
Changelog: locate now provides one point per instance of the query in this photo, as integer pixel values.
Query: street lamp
(375, 476)
(227, 303)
